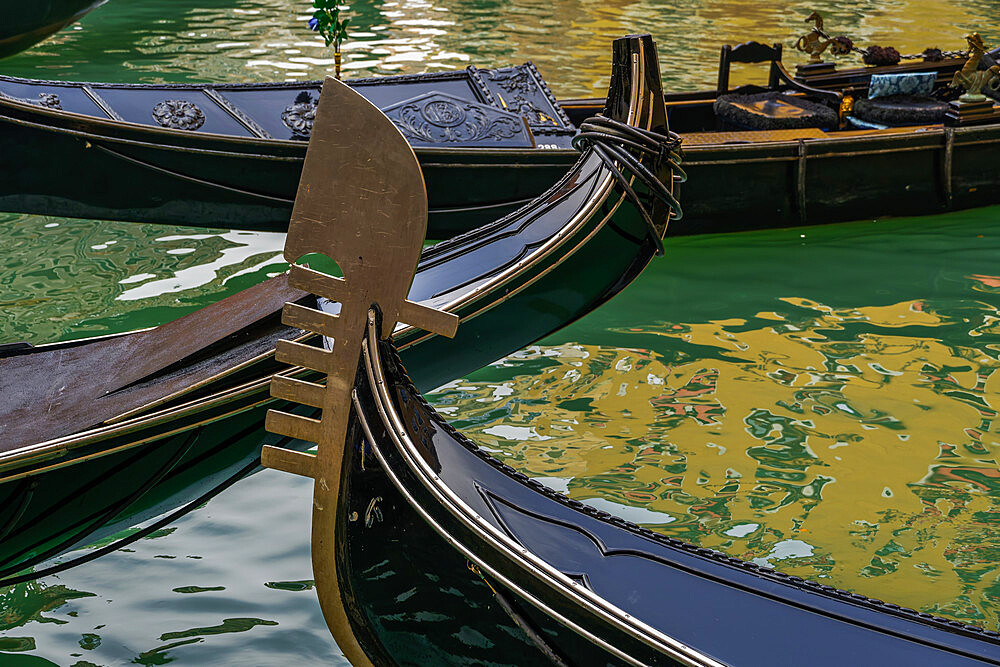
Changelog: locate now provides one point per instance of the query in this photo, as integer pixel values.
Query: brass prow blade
(361, 202)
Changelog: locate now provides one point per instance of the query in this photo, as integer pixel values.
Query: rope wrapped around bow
(621, 148)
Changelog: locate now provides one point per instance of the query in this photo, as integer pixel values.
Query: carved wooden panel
(438, 118)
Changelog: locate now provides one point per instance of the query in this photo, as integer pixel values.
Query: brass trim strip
(505, 167)
(105, 452)
(688, 164)
(467, 553)
(484, 207)
(145, 144)
(980, 142)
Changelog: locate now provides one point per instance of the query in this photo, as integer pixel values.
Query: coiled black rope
(617, 143)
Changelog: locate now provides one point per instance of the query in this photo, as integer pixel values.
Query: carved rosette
(178, 115)
(298, 117)
(49, 100)
(437, 119)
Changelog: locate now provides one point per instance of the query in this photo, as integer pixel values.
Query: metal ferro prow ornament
(361, 201)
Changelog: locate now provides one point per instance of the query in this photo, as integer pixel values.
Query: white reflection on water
(247, 245)
(216, 588)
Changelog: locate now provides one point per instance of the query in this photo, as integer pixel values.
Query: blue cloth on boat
(855, 123)
(911, 83)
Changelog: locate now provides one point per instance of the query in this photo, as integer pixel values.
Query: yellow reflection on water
(823, 444)
(266, 40)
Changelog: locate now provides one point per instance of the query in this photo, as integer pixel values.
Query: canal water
(819, 399)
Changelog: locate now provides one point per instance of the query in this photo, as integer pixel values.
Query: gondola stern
(634, 125)
(635, 63)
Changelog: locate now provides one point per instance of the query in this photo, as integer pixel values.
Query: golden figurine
(846, 106)
(973, 79)
(816, 41)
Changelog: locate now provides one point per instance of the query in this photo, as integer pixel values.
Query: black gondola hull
(103, 156)
(27, 23)
(216, 184)
(124, 152)
(618, 588)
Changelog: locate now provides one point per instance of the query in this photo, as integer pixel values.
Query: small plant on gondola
(327, 22)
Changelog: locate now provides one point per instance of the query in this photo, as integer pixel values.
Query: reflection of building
(821, 441)
(263, 40)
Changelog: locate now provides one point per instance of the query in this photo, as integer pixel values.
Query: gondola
(426, 549)
(230, 155)
(26, 23)
(489, 549)
(100, 434)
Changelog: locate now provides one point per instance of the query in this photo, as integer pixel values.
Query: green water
(818, 399)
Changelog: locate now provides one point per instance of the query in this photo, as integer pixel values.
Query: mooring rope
(617, 143)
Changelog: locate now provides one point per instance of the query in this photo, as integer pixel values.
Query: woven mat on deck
(751, 136)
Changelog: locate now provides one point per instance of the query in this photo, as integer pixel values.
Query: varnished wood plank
(122, 373)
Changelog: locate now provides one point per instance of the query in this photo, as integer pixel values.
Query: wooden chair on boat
(776, 107)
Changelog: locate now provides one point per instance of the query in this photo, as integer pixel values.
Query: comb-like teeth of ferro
(307, 356)
(317, 283)
(436, 321)
(293, 426)
(297, 391)
(310, 319)
(289, 460)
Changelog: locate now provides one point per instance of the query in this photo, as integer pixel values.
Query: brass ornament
(846, 106)
(972, 79)
(816, 41)
(813, 42)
